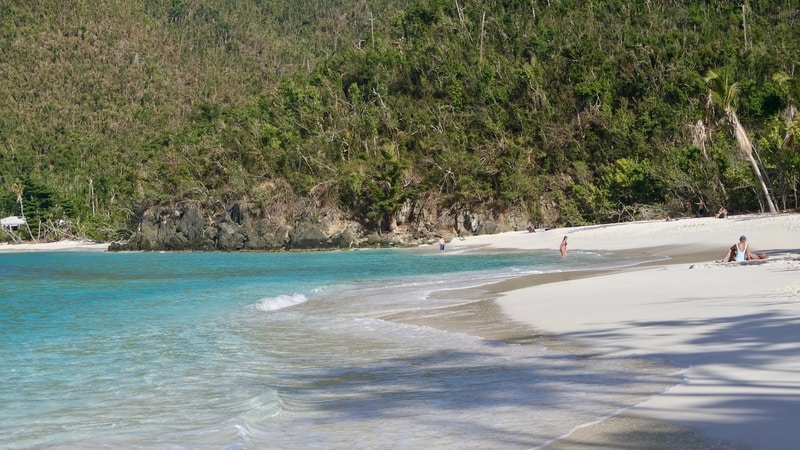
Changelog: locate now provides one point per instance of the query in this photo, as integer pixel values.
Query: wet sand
(733, 326)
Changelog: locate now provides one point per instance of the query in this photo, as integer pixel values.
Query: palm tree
(726, 94)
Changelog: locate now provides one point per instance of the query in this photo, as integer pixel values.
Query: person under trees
(701, 208)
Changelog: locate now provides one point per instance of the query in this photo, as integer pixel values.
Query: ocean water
(364, 349)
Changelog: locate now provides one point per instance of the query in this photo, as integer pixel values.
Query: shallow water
(356, 349)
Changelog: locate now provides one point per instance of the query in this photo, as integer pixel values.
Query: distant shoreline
(65, 245)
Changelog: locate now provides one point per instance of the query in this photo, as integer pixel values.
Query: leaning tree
(724, 92)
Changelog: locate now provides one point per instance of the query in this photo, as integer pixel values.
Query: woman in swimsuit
(741, 252)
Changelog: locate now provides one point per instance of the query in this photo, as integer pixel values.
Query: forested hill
(570, 111)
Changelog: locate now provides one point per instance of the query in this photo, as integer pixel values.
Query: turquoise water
(286, 350)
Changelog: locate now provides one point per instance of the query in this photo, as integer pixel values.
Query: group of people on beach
(736, 253)
(722, 213)
(739, 251)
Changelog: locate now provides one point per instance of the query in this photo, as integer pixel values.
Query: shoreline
(486, 317)
(63, 245)
(732, 326)
(626, 429)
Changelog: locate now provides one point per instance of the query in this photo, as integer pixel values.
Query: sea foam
(280, 302)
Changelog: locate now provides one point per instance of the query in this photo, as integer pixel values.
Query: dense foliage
(572, 111)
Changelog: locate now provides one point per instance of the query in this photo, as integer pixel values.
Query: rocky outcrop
(187, 226)
(179, 227)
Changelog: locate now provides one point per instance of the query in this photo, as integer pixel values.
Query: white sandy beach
(735, 327)
(53, 246)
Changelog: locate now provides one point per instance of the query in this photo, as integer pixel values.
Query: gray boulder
(308, 236)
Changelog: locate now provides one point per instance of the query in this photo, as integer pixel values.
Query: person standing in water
(563, 247)
(441, 245)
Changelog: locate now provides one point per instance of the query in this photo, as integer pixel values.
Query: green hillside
(572, 111)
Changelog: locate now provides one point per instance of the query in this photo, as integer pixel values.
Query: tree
(18, 189)
(724, 92)
(791, 90)
(783, 140)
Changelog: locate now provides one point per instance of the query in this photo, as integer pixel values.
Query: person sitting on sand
(722, 213)
(741, 252)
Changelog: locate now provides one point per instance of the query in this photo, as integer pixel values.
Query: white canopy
(12, 222)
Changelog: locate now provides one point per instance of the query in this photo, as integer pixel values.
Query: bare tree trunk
(18, 189)
(91, 197)
(12, 235)
(744, 23)
(699, 137)
(770, 202)
(483, 30)
(747, 148)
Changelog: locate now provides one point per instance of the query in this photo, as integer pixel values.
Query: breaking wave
(280, 302)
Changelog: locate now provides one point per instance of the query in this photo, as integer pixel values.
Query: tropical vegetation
(569, 111)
